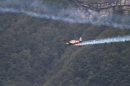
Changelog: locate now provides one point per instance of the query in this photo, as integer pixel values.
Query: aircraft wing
(67, 42)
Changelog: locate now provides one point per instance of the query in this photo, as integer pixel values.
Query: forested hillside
(32, 53)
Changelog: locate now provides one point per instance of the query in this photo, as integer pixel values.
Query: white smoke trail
(106, 40)
(37, 9)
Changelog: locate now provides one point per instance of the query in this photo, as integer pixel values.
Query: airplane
(73, 42)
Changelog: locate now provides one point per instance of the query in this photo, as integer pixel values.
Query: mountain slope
(32, 54)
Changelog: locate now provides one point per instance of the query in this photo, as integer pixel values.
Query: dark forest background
(32, 53)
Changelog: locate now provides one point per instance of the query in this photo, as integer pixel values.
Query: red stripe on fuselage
(77, 42)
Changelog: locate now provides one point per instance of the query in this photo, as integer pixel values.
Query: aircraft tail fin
(80, 39)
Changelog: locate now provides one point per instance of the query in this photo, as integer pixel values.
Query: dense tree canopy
(32, 53)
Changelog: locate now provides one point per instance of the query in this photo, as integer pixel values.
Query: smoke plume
(37, 8)
(106, 40)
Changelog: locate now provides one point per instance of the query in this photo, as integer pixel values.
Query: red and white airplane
(73, 42)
